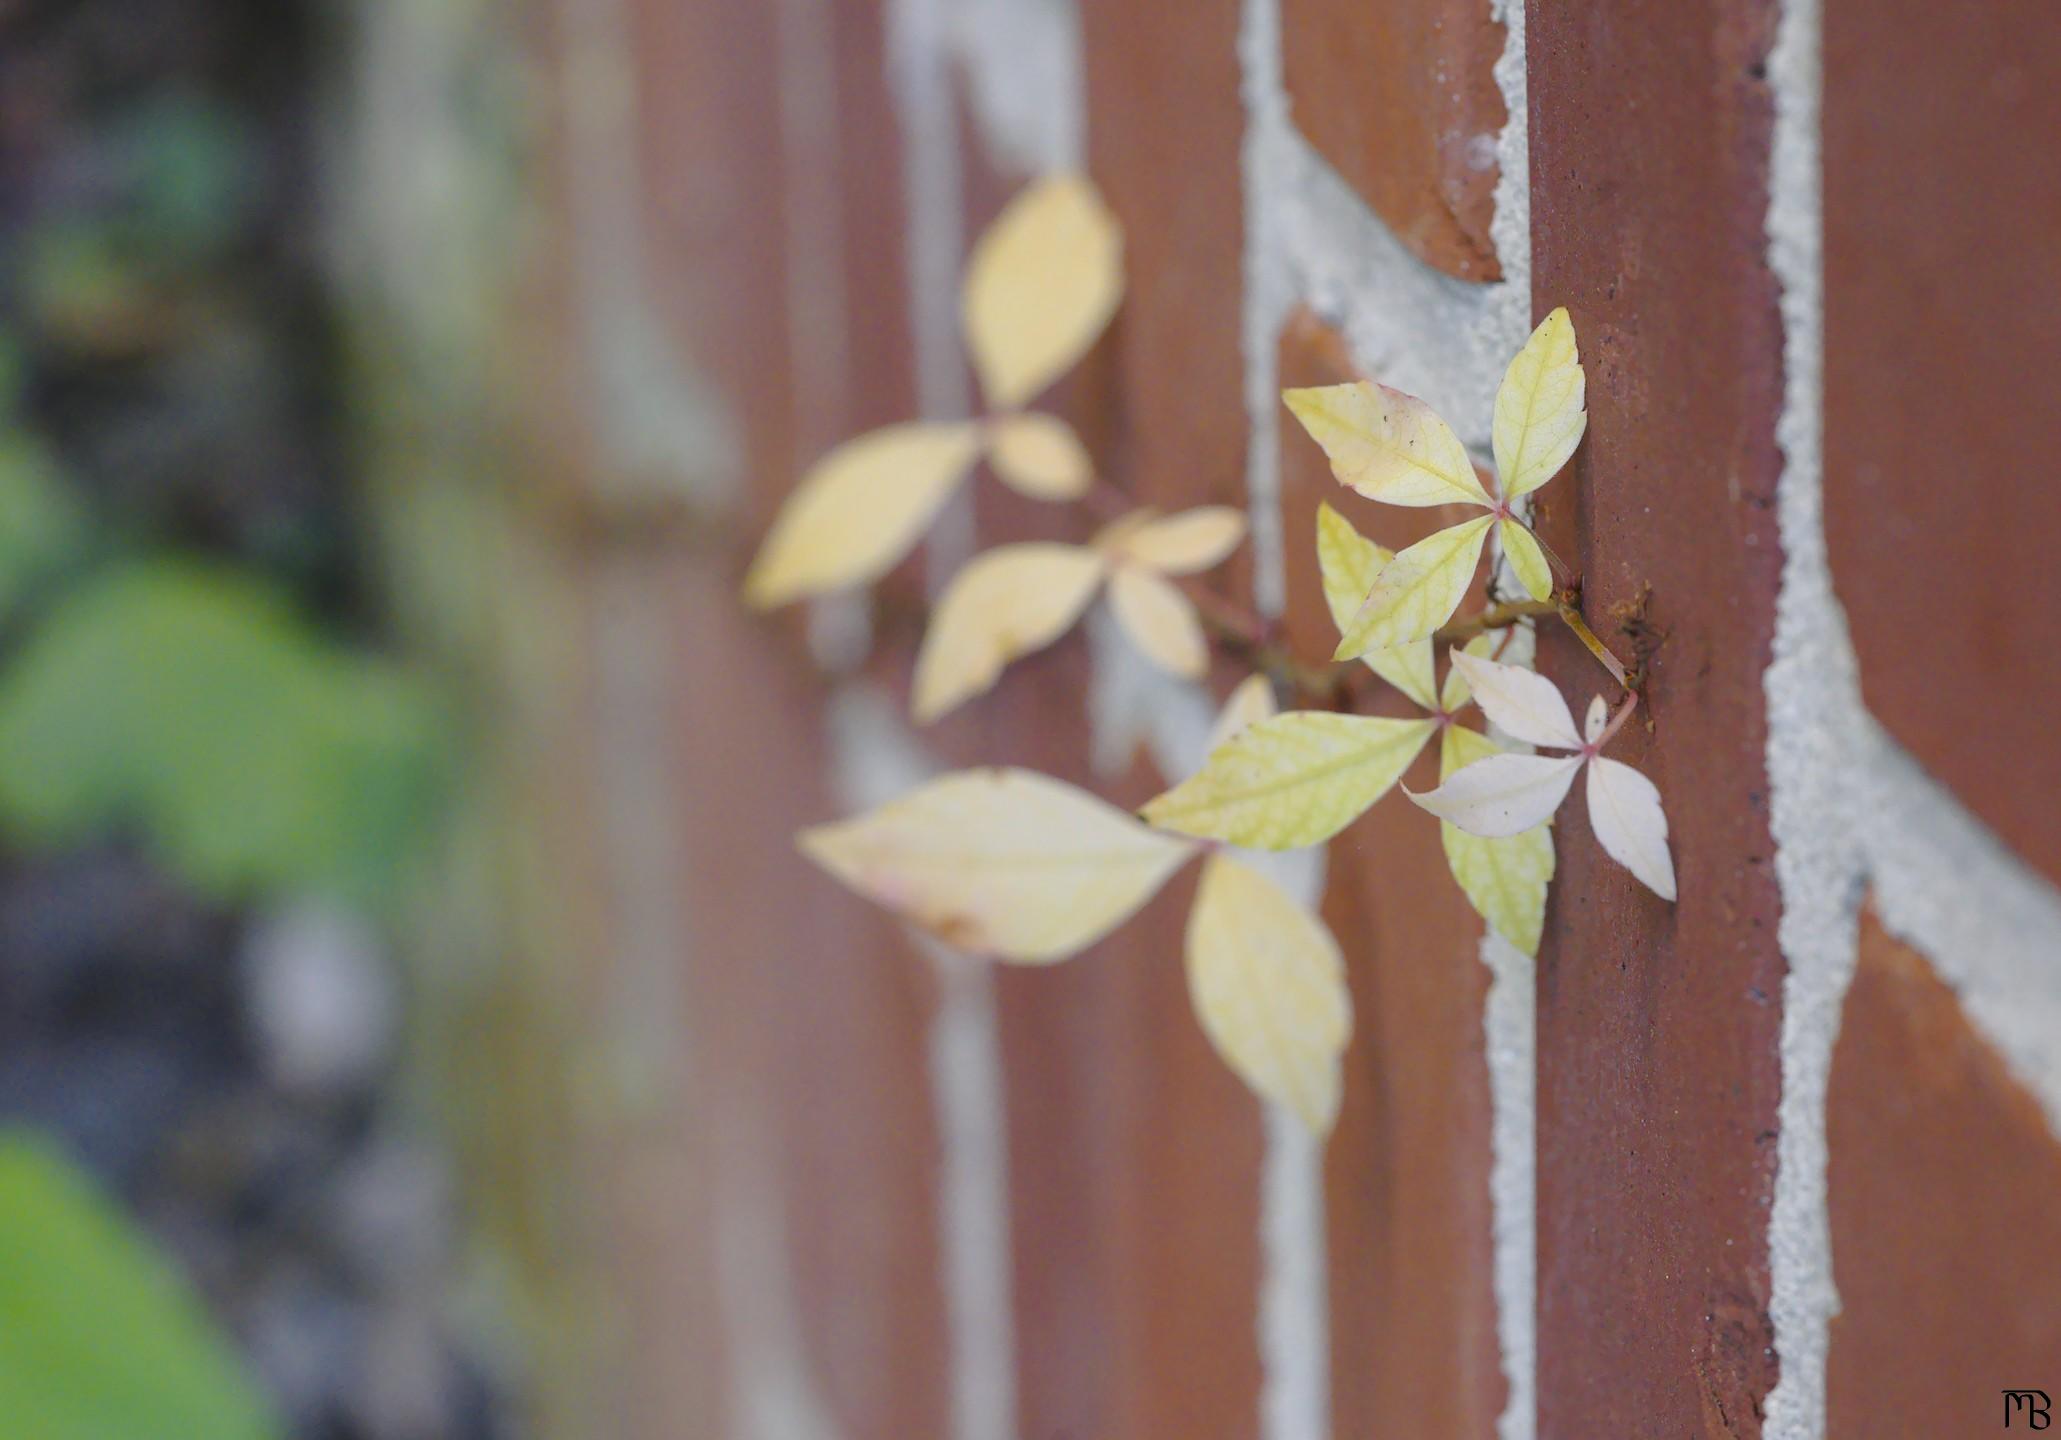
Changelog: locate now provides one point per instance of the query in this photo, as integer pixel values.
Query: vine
(1014, 865)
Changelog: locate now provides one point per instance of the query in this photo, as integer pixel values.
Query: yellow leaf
(1291, 781)
(1040, 286)
(859, 510)
(1159, 620)
(1350, 564)
(1183, 543)
(1268, 983)
(1504, 879)
(1457, 692)
(1539, 415)
(1527, 560)
(1110, 538)
(1250, 703)
(1387, 445)
(1418, 590)
(1008, 602)
(1005, 863)
(1039, 456)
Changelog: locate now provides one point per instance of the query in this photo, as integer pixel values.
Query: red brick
(1413, 1315)
(1658, 1024)
(1940, 339)
(801, 1100)
(1945, 1237)
(1401, 98)
(1182, 1178)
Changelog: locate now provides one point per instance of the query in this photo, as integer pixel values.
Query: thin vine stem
(1568, 603)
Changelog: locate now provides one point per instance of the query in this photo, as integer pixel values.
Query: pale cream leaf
(1521, 703)
(1040, 287)
(1006, 863)
(1039, 456)
(1184, 542)
(1503, 794)
(1625, 813)
(1159, 620)
(1006, 603)
(859, 510)
(1268, 984)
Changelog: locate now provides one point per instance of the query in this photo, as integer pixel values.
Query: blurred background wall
(414, 1017)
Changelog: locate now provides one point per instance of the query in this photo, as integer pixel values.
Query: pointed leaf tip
(1625, 813)
(1539, 408)
(1387, 445)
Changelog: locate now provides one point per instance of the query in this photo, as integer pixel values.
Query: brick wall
(845, 1185)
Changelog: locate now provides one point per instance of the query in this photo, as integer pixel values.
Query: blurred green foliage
(42, 524)
(189, 701)
(100, 1338)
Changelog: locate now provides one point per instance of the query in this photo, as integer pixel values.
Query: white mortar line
(875, 757)
(1851, 813)
(1022, 62)
(919, 72)
(1509, 1020)
(967, 1078)
(1309, 239)
(1295, 1295)
(818, 335)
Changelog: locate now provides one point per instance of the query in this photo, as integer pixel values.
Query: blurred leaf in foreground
(193, 704)
(100, 1338)
(42, 523)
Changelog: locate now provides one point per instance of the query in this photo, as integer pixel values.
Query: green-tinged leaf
(1527, 560)
(1418, 590)
(100, 1338)
(1291, 781)
(1041, 285)
(1387, 445)
(1350, 564)
(1539, 416)
(1504, 879)
(860, 509)
(1250, 703)
(1004, 863)
(1268, 983)
(192, 703)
